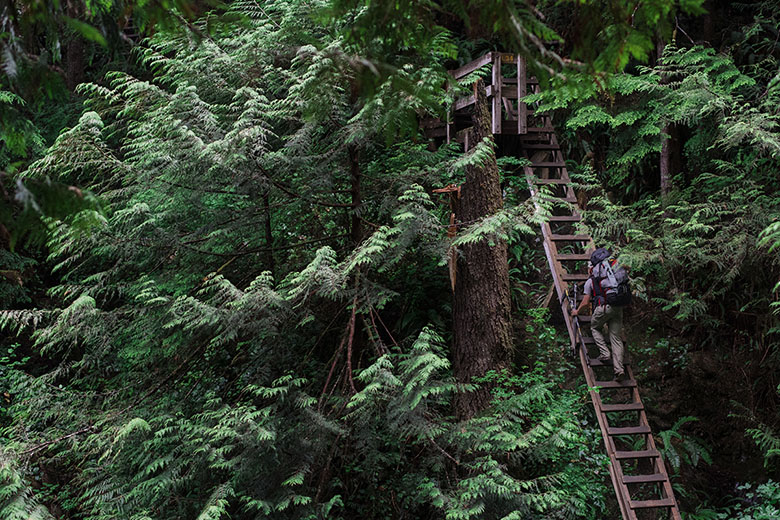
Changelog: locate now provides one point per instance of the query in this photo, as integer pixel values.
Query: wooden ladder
(637, 470)
(638, 474)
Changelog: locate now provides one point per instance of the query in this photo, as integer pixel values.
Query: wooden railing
(503, 93)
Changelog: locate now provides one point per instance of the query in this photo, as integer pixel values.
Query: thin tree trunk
(481, 306)
(665, 161)
(269, 237)
(74, 56)
(356, 231)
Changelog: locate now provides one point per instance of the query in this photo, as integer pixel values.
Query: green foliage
(756, 502)
(679, 449)
(531, 425)
(213, 314)
(247, 309)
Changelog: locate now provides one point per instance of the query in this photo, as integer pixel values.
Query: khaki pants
(612, 317)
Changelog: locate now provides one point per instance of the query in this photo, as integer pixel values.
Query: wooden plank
(544, 138)
(572, 257)
(628, 430)
(496, 100)
(553, 164)
(528, 81)
(565, 218)
(508, 93)
(472, 66)
(522, 108)
(565, 180)
(648, 504)
(510, 111)
(467, 101)
(574, 277)
(622, 407)
(463, 102)
(570, 238)
(642, 479)
(640, 454)
(628, 383)
(541, 147)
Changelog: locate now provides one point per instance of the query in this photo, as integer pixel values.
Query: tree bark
(74, 55)
(481, 303)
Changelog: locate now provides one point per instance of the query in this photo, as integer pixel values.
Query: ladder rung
(646, 504)
(556, 164)
(542, 147)
(570, 238)
(622, 407)
(628, 430)
(640, 454)
(551, 181)
(568, 198)
(533, 137)
(588, 340)
(641, 479)
(574, 257)
(628, 383)
(539, 130)
(574, 277)
(596, 362)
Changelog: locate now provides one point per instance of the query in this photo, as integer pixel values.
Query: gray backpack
(612, 282)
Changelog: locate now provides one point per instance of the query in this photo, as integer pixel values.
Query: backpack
(610, 279)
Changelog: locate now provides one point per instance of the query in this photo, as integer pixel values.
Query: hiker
(604, 314)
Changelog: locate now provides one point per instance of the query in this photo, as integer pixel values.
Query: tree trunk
(74, 56)
(356, 231)
(269, 237)
(481, 306)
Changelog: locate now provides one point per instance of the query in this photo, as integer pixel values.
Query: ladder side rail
(573, 325)
(615, 471)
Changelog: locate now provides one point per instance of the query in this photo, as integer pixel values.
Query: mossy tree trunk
(481, 306)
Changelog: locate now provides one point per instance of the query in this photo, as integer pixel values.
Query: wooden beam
(469, 100)
(472, 66)
(496, 101)
(522, 109)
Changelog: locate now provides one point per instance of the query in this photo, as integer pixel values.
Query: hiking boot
(605, 359)
(620, 377)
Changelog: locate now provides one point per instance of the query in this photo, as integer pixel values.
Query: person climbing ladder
(607, 289)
